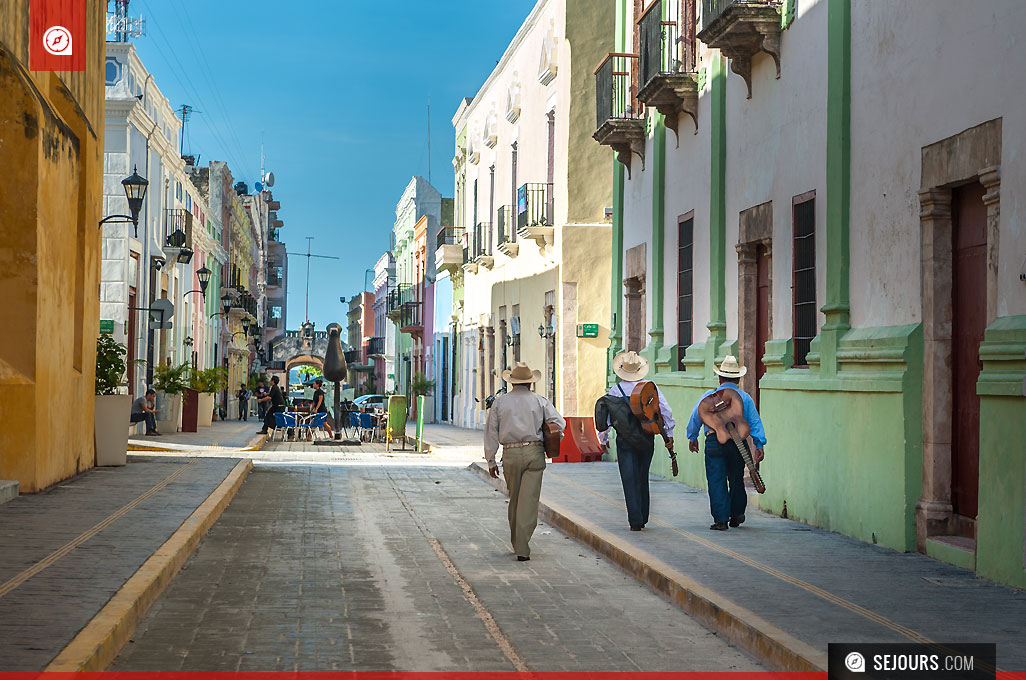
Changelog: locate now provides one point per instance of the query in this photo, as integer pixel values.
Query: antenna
(309, 255)
(429, 140)
(184, 111)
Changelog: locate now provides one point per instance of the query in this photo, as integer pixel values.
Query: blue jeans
(725, 472)
(151, 422)
(634, 466)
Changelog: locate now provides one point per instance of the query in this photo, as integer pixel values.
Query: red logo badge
(58, 35)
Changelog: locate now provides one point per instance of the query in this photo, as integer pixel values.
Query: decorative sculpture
(336, 371)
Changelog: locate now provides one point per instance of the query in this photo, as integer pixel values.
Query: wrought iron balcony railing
(178, 228)
(400, 297)
(660, 42)
(614, 88)
(376, 346)
(480, 245)
(452, 236)
(410, 318)
(534, 205)
(505, 225)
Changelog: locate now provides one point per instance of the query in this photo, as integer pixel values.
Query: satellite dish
(269, 179)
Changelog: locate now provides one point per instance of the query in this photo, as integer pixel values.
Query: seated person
(143, 408)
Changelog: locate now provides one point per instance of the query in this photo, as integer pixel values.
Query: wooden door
(969, 304)
(762, 301)
(132, 313)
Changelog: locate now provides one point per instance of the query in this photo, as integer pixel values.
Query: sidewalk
(81, 562)
(779, 589)
(221, 435)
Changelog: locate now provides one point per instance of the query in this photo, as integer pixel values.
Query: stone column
(934, 510)
(747, 308)
(990, 178)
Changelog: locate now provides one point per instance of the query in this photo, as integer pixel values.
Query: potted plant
(208, 383)
(420, 386)
(170, 382)
(111, 410)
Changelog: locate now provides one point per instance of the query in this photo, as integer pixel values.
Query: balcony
(398, 298)
(507, 233)
(449, 255)
(376, 347)
(274, 276)
(666, 65)
(410, 320)
(618, 115)
(740, 29)
(233, 278)
(482, 249)
(177, 245)
(535, 213)
(242, 306)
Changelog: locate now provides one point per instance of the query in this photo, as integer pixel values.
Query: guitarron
(723, 412)
(645, 407)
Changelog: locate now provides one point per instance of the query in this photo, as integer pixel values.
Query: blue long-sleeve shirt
(750, 413)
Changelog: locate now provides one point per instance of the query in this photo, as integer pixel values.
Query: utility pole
(309, 255)
(185, 110)
(429, 140)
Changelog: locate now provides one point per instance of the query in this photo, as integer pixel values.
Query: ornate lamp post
(135, 190)
(550, 333)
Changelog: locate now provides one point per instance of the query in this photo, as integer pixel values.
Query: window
(803, 281)
(685, 285)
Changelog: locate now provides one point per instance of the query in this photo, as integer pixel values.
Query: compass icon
(57, 41)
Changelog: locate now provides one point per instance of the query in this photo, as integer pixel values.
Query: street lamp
(203, 274)
(135, 190)
(226, 304)
(550, 332)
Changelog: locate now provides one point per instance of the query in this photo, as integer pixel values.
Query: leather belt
(520, 445)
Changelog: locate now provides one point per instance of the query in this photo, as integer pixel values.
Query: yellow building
(51, 153)
(532, 278)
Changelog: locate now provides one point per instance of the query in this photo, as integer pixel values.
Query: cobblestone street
(366, 567)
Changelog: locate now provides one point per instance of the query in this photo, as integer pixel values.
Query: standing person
(515, 421)
(276, 404)
(143, 408)
(634, 446)
(261, 392)
(243, 395)
(319, 405)
(724, 467)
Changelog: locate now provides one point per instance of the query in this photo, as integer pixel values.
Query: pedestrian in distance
(243, 395)
(144, 409)
(724, 466)
(319, 406)
(634, 446)
(515, 422)
(276, 404)
(261, 392)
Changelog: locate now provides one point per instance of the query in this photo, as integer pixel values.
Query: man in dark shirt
(276, 401)
(261, 392)
(320, 406)
(144, 408)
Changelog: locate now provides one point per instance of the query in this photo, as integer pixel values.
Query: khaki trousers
(522, 467)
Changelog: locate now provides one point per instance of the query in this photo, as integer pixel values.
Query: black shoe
(261, 431)
(737, 521)
(718, 526)
(153, 433)
(637, 527)
(521, 558)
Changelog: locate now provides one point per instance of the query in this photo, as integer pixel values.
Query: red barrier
(580, 442)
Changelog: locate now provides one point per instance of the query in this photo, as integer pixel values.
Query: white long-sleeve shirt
(628, 386)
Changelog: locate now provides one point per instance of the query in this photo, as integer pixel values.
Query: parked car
(376, 401)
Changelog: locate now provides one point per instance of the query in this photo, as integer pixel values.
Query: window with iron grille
(685, 285)
(803, 281)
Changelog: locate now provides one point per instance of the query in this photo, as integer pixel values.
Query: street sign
(587, 330)
(106, 326)
(162, 311)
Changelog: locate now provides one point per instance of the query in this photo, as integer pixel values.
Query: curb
(100, 641)
(254, 444)
(767, 643)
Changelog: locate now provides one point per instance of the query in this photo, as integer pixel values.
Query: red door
(969, 304)
(762, 285)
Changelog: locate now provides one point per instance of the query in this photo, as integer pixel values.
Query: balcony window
(617, 110)
(666, 62)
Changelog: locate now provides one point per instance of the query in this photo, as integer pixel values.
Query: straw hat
(730, 368)
(521, 374)
(630, 366)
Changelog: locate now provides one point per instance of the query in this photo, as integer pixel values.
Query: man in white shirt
(515, 421)
(634, 448)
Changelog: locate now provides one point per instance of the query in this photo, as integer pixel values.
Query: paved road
(402, 567)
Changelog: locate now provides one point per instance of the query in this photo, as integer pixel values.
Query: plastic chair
(284, 422)
(314, 423)
(366, 426)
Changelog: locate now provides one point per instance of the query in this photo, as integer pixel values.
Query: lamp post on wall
(550, 333)
(135, 190)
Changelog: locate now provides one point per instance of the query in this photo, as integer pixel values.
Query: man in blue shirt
(724, 467)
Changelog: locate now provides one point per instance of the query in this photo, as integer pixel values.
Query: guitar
(645, 406)
(723, 412)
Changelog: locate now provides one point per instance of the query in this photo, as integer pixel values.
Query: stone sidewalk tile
(772, 566)
(318, 567)
(221, 435)
(45, 612)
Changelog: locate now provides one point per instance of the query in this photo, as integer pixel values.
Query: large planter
(206, 409)
(112, 416)
(169, 420)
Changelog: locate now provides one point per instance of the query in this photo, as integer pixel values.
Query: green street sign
(587, 330)
(106, 326)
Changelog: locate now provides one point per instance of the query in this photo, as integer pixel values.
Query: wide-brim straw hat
(630, 366)
(521, 374)
(730, 368)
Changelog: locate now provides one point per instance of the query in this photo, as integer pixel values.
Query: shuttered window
(803, 282)
(685, 286)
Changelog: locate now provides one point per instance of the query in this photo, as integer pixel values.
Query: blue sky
(340, 90)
